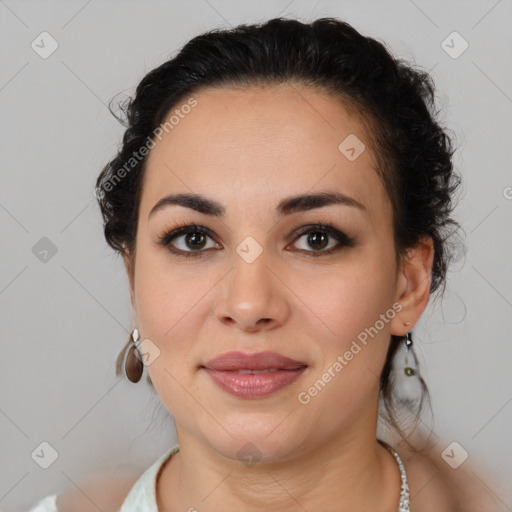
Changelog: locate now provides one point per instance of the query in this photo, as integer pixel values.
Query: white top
(142, 496)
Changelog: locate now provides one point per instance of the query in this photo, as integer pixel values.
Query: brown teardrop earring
(133, 366)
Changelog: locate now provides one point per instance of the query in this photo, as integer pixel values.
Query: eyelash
(344, 240)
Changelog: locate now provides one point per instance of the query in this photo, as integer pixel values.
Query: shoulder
(429, 490)
(47, 504)
(103, 491)
(434, 486)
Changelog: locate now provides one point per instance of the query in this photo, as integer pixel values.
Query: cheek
(355, 307)
(171, 302)
(166, 304)
(161, 299)
(350, 298)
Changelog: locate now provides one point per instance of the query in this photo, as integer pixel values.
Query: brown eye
(317, 237)
(318, 240)
(193, 240)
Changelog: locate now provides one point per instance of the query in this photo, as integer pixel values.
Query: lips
(251, 376)
(261, 362)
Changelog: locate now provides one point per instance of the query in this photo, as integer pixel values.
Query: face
(263, 278)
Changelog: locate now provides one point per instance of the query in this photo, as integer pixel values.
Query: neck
(347, 472)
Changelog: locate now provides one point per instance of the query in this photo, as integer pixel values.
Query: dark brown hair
(395, 100)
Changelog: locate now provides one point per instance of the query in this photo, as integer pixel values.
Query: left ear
(413, 286)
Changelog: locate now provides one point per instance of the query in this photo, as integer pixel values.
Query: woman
(282, 203)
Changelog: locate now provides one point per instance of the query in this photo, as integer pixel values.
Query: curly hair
(393, 99)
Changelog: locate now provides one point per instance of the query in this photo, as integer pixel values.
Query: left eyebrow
(287, 206)
(306, 202)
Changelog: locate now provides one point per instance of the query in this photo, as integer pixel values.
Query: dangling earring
(408, 381)
(408, 370)
(133, 366)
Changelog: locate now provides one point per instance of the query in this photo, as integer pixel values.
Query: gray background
(64, 320)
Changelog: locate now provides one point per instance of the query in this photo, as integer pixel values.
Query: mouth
(260, 361)
(257, 372)
(253, 376)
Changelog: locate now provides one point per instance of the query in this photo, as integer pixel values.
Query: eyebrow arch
(287, 206)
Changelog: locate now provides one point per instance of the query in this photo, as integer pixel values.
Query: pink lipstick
(253, 375)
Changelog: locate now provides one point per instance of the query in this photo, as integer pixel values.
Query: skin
(248, 149)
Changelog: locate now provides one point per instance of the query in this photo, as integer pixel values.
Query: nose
(253, 298)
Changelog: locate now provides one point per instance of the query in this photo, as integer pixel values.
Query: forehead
(258, 144)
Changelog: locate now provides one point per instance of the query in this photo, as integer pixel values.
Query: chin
(252, 445)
